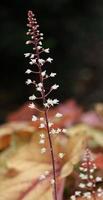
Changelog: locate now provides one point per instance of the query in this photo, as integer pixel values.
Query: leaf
(26, 184)
(92, 119)
(21, 178)
(99, 161)
(74, 149)
(91, 133)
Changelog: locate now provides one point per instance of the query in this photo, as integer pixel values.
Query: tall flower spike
(87, 186)
(37, 62)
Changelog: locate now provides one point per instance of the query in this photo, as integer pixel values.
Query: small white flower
(99, 190)
(28, 42)
(32, 106)
(33, 61)
(58, 115)
(61, 155)
(34, 118)
(41, 61)
(43, 73)
(81, 168)
(91, 170)
(27, 55)
(41, 34)
(98, 179)
(47, 50)
(53, 131)
(49, 60)
(85, 169)
(39, 89)
(55, 101)
(64, 130)
(40, 85)
(52, 74)
(28, 71)
(94, 166)
(82, 185)
(46, 105)
(58, 130)
(83, 176)
(73, 197)
(42, 125)
(91, 177)
(46, 76)
(77, 193)
(32, 56)
(50, 102)
(42, 177)
(50, 124)
(43, 150)
(99, 194)
(89, 184)
(41, 118)
(33, 97)
(87, 194)
(42, 141)
(39, 47)
(54, 87)
(52, 181)
(40, 43)
(46, 173)
(29, 81)
(42, 135)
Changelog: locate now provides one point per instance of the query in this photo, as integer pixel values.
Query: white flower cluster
(88, 180)
(51, 102)
(42, 142)
(57, 131)
(100, 192)
(61, 155)
(44, 176)
(37, 60)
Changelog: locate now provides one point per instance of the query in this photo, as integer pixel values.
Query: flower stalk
(38, 62)
(87, 187)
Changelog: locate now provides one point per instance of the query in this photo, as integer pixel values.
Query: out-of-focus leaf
(95, 134)
(70, 110)
(93, 119)
(99, 161)
(21, 177)
(71, 113)
(24, 113)
(75, 148)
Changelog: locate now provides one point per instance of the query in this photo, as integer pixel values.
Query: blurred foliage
(74, 32)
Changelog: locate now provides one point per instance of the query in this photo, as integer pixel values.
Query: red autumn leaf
(99, 161)
(24, 113)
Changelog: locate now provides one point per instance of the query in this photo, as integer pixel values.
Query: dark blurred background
(73, 31)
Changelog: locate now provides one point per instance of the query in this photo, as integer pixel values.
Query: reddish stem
(47, 124)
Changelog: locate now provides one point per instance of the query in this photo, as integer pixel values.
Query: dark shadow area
(73, 31)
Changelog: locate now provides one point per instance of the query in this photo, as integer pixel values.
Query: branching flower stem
(35, 59)
(87, 188)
